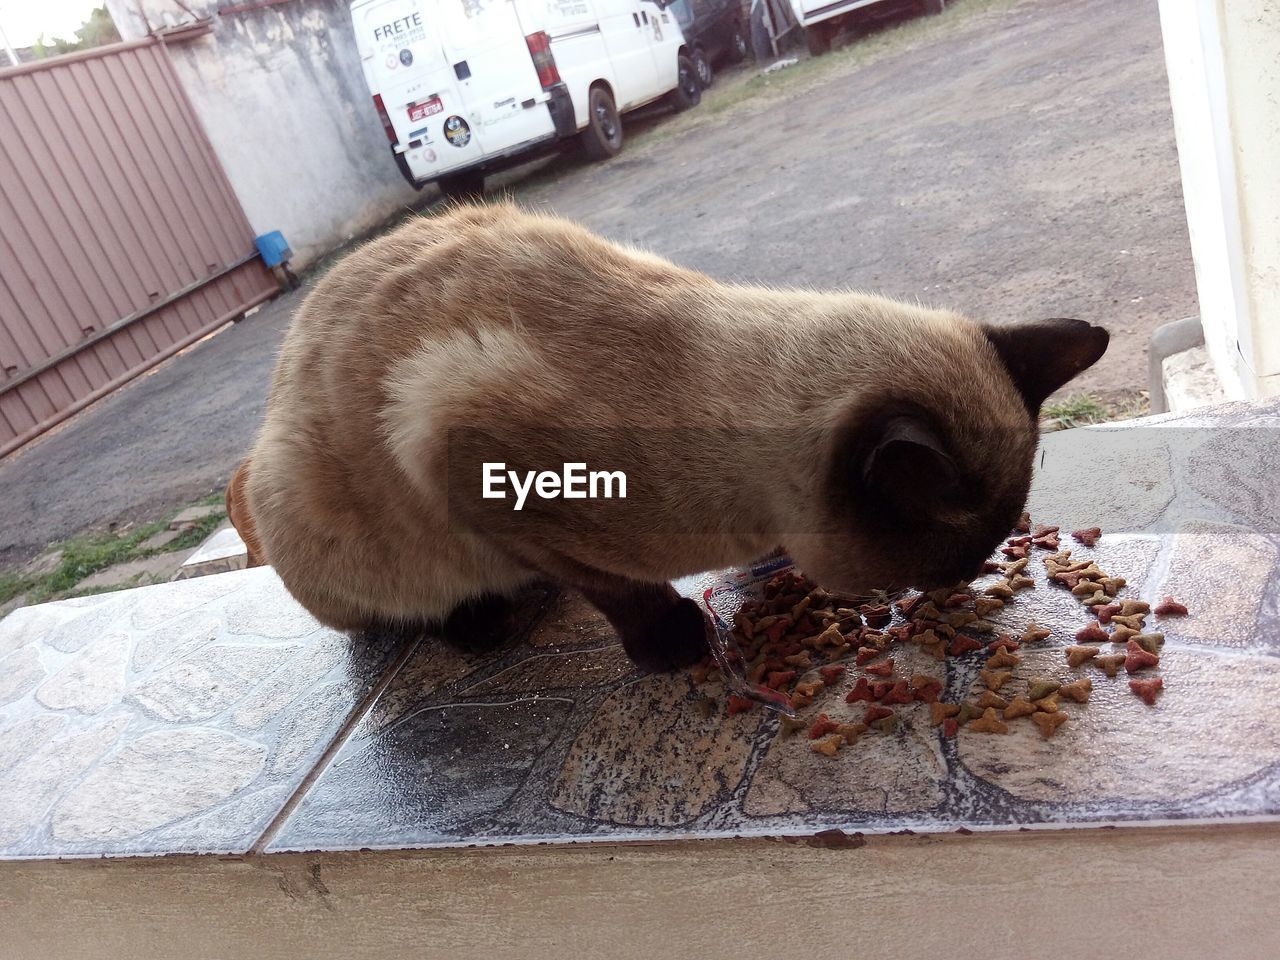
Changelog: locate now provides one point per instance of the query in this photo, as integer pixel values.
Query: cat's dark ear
(1042, 355)
(907, 466)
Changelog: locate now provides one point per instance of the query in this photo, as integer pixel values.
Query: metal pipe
(69, 352)
(106, 388)
(1168, 339)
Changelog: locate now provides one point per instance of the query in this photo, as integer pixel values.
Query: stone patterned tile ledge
(214, 715)
(222, 552)
(171, 718)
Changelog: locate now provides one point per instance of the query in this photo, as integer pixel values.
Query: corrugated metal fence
(121, 240)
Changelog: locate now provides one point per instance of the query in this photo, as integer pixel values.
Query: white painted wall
(280, 92)
(1223, 58)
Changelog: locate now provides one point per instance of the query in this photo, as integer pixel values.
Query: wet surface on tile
(555, 736)
(184, 717)
(171, 718)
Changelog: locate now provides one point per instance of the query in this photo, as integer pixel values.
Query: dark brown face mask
(241, 518)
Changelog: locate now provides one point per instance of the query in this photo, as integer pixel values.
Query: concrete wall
(1223, 59)
(280, 92)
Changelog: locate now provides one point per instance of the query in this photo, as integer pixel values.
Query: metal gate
(121, 241)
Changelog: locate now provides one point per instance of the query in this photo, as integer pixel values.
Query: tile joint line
(337, 743)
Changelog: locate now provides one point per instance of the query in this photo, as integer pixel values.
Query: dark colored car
(714, 30)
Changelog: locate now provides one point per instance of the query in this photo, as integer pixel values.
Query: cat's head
(927, 476)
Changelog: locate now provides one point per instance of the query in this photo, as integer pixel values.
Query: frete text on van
(388, 30)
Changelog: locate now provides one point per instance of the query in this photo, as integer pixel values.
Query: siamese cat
(884, 444)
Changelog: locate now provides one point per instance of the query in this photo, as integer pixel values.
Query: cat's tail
(241, 518)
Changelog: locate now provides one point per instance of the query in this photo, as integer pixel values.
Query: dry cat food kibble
(1019, 707)
(822, 726)
(1148, 690)
(1077, 690)
(1080, 655)
(1092, 633)
(828, 745)
(989, 722)
(1110, 663)
(994, 679)
(829, 655)
(1138, 657)
(1048, 722)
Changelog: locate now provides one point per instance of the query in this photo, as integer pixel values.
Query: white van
(467, 87)
(823, 19)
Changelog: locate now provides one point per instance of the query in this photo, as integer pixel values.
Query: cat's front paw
(676, 639)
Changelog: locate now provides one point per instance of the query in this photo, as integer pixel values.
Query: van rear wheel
(464, 186)
(702, 66)
(738, 45)
(602, 136)
(688, 91)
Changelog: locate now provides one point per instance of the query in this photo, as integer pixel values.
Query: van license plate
(425, 108)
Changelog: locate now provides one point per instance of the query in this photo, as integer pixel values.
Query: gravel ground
(1013, 163)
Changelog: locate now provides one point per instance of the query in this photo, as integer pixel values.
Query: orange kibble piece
(1048, 722)
(1080, 655)
(1077, 690)
(1019, 707)
(989, 722)
(808, 688)
(851, 731)
(1169, 607)
(1034, 633)
(995, 679)
(828, 745)
(939, 711)
(1003, 658)
(1110, 663)
(990, 698)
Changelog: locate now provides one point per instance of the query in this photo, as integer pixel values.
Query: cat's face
(926, 479)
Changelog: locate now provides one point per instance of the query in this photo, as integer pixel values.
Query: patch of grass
(1084, 409)
(89, 553)
(86, 555)
(192, 538)
(11, 584)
